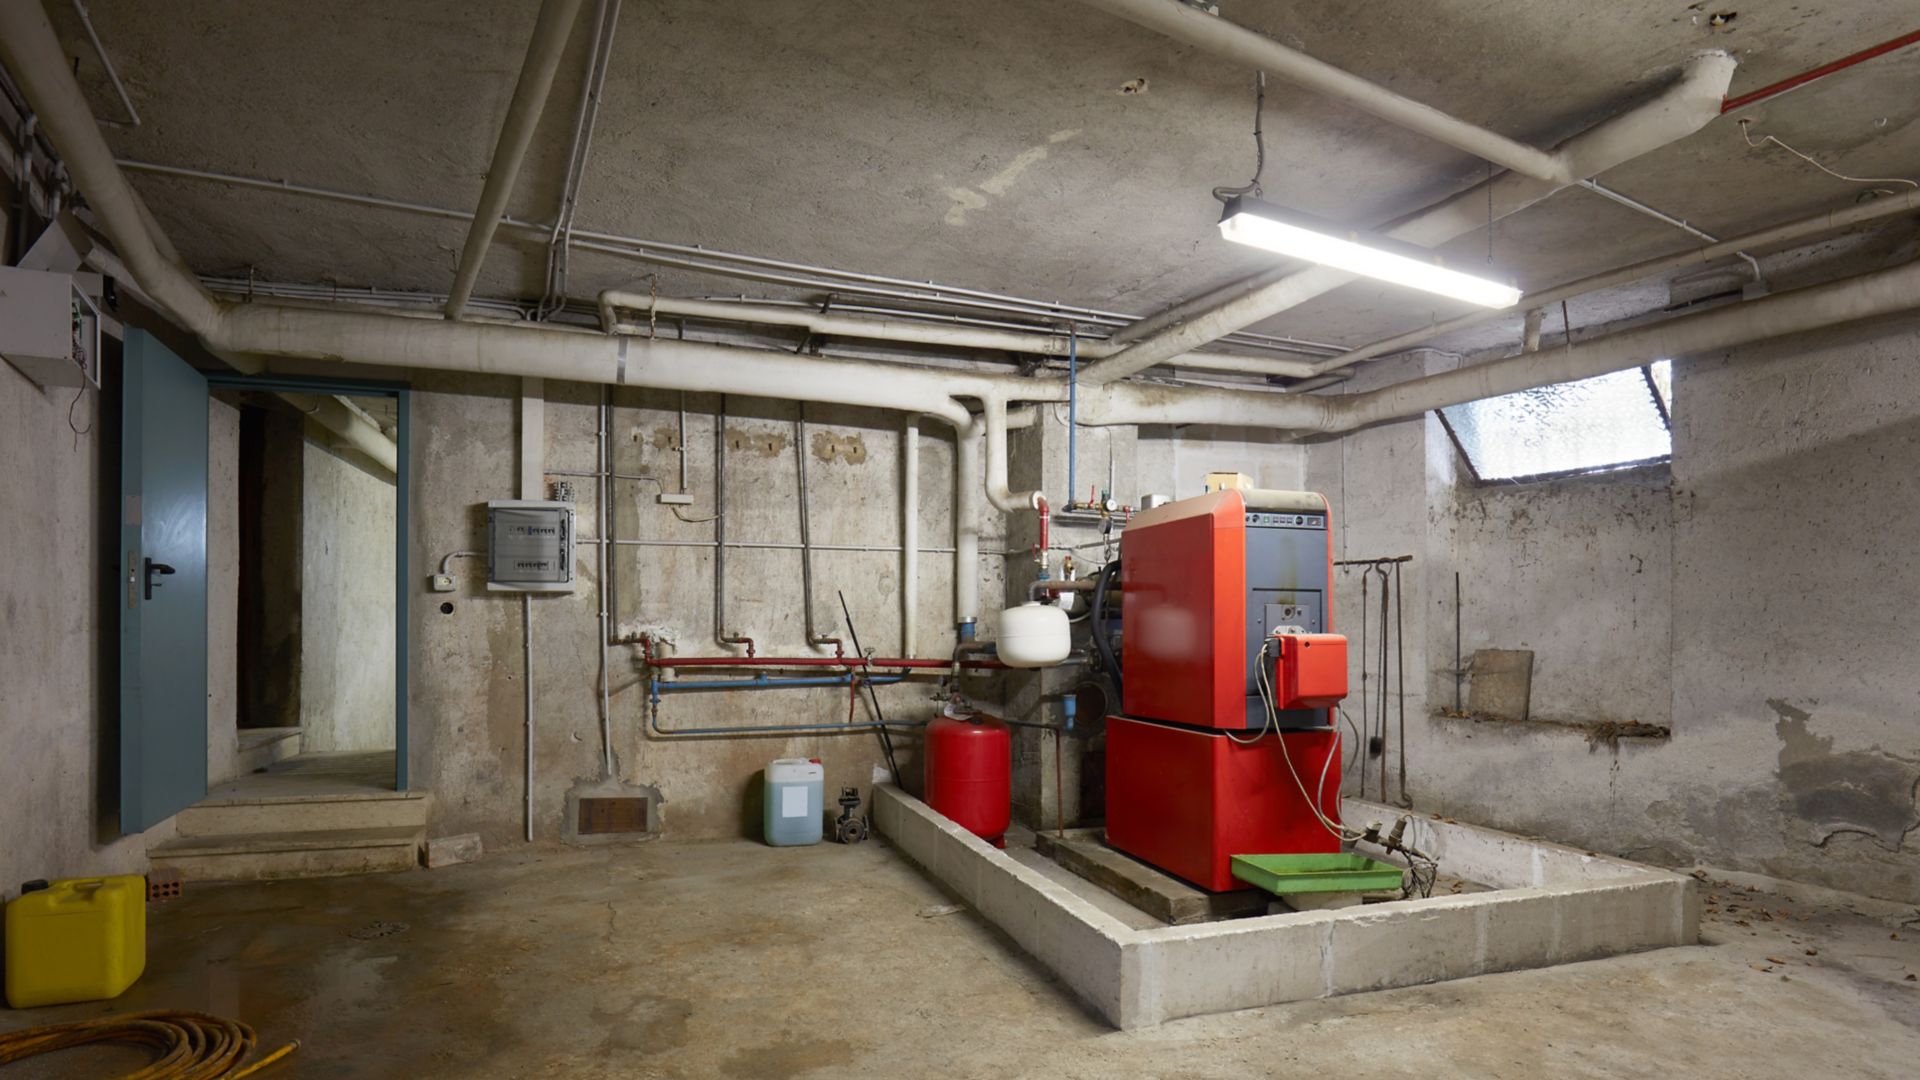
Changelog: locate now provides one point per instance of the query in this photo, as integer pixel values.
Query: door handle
(152, 569)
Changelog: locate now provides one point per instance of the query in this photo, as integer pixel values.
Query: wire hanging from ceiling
(1765, 139)
(1252, 187)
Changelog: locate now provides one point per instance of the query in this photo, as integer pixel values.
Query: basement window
(1598, 425)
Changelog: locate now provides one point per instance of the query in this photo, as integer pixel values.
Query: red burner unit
(1199, 767)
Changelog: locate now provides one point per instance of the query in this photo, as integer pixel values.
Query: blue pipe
(1070, 704)
(761, 682)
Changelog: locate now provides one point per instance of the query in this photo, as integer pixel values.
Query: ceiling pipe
(32, 53)
(1866, 296)
(1893, 205)
(549, 40)
(355, 431)
(721, 263)
(613, 301)
(1688, 104)
(1184, 22)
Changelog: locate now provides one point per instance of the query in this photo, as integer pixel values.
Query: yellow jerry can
(76, 939)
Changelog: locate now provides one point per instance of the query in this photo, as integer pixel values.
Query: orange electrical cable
(191, 1045)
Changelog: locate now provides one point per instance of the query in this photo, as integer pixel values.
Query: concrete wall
(223, 591)
(1756, 604)
(58, 640)
(467, 699)
(347, 601)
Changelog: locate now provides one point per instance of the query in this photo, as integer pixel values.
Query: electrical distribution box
(49, 328)
(529, 546)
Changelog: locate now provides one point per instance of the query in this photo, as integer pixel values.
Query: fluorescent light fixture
(1264, 225)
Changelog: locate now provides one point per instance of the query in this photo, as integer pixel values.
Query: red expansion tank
(970, 774)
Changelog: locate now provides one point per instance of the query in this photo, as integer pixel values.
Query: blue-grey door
(162, 578)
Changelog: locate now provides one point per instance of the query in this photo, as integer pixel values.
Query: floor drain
(377, 930)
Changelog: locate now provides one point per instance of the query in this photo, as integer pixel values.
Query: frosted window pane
(1606, 422)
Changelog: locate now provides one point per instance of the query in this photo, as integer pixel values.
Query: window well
(1608, 422)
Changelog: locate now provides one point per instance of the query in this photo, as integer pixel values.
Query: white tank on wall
(1034, 635)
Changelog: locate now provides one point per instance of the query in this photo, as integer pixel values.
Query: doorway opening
(305, 542)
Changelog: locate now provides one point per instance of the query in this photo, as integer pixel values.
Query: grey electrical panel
(529, 546)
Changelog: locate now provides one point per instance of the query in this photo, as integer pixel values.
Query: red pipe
(811, 661)
(1821, 72)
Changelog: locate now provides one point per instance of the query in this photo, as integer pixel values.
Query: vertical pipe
(1400, 677)
(720, 523)
(683, 429)
(602, 531)
(1073, 410)
(549, 40)
(909, 533)
(966, 527)
(526, 626)
(806, 528)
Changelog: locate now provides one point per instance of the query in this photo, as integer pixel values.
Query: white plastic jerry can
(795, 801)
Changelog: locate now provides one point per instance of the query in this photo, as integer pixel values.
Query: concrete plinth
(1550, 905)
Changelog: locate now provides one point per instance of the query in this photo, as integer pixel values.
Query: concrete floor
(340, 772)
(737, 960)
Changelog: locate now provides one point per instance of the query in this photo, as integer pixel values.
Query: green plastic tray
(1283, 875)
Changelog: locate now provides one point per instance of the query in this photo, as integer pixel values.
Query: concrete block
(1239, 965)
(1404, 943)
(1606, 920)
(449, 850)
(1516, 929)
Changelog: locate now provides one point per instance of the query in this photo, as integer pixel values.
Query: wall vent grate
(613, 815)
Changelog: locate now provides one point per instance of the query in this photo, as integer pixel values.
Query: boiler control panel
(1267, 519)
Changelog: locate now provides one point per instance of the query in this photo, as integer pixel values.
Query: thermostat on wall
(529, 546)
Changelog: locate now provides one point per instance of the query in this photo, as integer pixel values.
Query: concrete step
(259, 748)
(294, 854)
(304, 813)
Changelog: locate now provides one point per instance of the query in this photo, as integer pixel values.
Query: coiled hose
(191, 1045)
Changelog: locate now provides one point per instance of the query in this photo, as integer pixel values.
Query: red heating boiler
(969, 774)
(1199, 767)
(1189, 801)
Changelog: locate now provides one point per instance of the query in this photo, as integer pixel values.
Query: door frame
(402, 439)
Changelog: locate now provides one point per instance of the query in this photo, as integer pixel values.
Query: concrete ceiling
(987, 144)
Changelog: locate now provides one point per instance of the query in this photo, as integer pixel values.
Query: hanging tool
(866, 668)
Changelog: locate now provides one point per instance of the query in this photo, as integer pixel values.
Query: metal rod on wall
(526, 625)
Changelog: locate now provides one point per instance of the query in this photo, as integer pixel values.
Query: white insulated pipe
(1865, 296)
(967, 488)
(995, 416)
(33, 55)
(1885, 206)
(909, 532)
(354, 429)
(549, 41)
(1230, 41)
(612, 301)
(1684, 107)
(1883, 292)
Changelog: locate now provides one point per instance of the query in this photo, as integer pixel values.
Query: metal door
(162, 585)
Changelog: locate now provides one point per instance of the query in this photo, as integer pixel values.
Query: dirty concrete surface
(731, 959)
